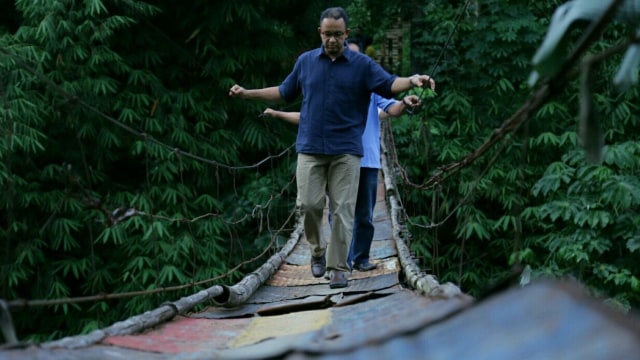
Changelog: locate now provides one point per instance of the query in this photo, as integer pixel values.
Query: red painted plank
(183, 335)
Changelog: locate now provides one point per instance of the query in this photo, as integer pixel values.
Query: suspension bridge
(398, 311)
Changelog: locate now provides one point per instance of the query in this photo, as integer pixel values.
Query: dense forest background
(125, 167)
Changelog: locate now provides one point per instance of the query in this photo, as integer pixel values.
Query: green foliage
(124, 165)
(530, 199)
(593, 212)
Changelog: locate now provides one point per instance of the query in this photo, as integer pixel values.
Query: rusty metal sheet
(356, 326)
(295, 305)
(298, 305)
(184, 335)
(268, 294)
(248, 309)
(540, 321)
(215, 312)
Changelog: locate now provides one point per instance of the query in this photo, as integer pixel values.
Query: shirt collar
(347, 53)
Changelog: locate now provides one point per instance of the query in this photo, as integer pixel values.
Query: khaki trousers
(337, 175)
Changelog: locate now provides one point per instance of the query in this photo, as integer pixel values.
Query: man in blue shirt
(335, 84)
(363, 228)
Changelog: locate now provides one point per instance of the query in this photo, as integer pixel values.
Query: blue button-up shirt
(335, 99)
(371, 136)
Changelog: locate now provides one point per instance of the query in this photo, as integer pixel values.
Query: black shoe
(365, 266)
(338, 279)
(318, 266)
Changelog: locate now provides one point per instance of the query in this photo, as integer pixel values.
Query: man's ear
(319, 32)
(346, 32)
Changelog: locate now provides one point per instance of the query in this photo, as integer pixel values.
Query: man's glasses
(329, 34)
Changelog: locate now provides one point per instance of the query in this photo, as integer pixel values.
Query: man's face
(333, 32)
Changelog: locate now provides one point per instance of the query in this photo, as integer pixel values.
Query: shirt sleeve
(380, 80)
(383, 103)
(290, 87)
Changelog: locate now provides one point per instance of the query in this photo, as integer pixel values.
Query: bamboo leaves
(557, 174)
(95, 7)
(96, 99)
(533, 199)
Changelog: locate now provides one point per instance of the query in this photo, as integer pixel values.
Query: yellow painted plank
(263, 328)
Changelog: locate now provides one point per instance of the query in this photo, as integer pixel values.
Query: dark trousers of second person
(363, 228)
